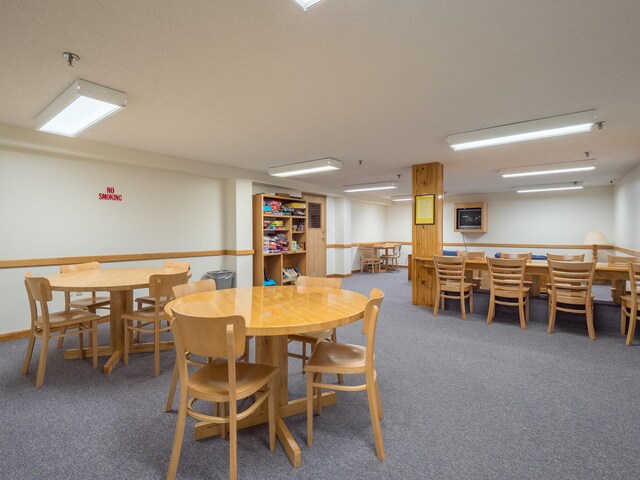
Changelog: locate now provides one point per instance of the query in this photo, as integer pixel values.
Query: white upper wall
(627, 210)
(399, 223)
(368, 222)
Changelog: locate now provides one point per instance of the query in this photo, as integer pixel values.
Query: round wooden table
(271, 314)
(120, 283)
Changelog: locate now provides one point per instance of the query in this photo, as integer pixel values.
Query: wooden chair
(471, 276)
(45, 324)
(149, 319)
(91, 303)
(314, 338)
(219, 382)
(149, 300)
(508, 287)
(514, 256)
(339, 358)
(391, 261)
(629, 305)
(618, 260)
(450, 283)
(571, 284)
(369, 258)
(568, 257)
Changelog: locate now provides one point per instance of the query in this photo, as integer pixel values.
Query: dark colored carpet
(461, 399)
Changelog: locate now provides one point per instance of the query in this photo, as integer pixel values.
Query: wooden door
(316, 236)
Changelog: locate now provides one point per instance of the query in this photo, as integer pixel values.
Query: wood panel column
(427, 178)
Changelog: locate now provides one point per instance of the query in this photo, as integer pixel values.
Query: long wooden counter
(618, 275)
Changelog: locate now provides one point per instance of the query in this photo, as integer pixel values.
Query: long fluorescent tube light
(550, 168)
(551, 187)
(401, 198)
(302, 168)
(365, 187)
(307, 4)
(520, 132)
(80, 106)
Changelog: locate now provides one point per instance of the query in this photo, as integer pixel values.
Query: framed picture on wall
(425, 209)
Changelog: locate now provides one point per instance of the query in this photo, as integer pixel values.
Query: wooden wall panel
(427, 178)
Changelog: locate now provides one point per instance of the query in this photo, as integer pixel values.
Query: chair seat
(150, 300)
(90, 302)
(69, 317)
(211, 382)
(312, 337)
(145, 315)
(337, 358)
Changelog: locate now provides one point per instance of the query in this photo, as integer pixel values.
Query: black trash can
(223, 278)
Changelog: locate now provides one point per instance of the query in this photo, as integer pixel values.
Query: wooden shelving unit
(275, 248)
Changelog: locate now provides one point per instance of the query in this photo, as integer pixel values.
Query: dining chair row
(569, 290)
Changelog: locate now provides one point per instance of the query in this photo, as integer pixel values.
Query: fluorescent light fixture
(302, 168)
(520, 132)
(307, 4)
(550, 168)
(554, 187)
(401, 198)
(365, 187)
(79, 107)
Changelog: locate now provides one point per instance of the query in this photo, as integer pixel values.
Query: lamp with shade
(595, 239)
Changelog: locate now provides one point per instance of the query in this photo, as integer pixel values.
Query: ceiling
(258, 83)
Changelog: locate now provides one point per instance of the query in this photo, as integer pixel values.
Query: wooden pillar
(426, 239)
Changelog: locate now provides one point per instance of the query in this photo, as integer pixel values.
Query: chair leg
(81, 342)
(334, 339)
(272, 415)
(94, 342)
(156, 348)
(127, 339)
(523, 323)
(172, 388)
(319, 395)
(304, 355)
(61, 339)
(632, 327)
(310, 376)
(42, 364)
(178, 436)
(492, 308)
(590, 328)
(526, 308)
(436, 304)
(463, 307)
(375, 419)
(380, 411)
(623, 318)
(28, 354)
(233, 441)
(471, 301)
(223, 414)
(552, 315)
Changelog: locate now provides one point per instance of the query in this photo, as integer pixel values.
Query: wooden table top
(277, 310)
(106, 279)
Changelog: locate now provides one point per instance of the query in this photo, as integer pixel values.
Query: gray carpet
(461, 399)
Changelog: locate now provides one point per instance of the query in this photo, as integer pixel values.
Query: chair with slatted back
(314, 338)
(345, 359)
(90, 303)
(369, 258)
(473, 276)
(508, 287)
(148, 320)
(219, 382)
(566, 257)
(515, 256)
(148, 299)
(46, 325)
(619, 260)
(450, 283)
(390, 261)
(571, 284)
(630, 302)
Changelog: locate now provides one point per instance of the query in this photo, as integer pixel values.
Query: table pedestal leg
(121, 302)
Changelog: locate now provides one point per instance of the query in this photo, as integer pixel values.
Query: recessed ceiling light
(550, 168)
(365, 187)
(551, 187)
(307, 4)
(520, 132)
(79, 107)
(303, 168)
(401, 198)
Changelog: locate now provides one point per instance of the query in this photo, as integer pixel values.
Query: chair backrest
(621, 260)
(512, 256)
(370, 322)
(634, 278)
(80, 266)
(38, 292)
(474, 255)
(207, 336)
(572, 278)
(305, 281)
(367, 251)
(449, 270)
(396, 249)
(161, 285)
(507, 274)
(207, 285)
(567, 257)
